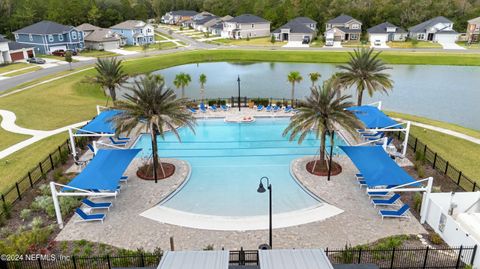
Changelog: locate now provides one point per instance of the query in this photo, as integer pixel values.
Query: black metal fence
(245, 101)
(36, 175)
(432, 258)
(440, 164)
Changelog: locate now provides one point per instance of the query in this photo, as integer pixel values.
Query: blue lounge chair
(276, 108)
(380, 142)
(193, 110)
(89, 217)
(259, 107)
(90, 147)
(390, 201)
(213, 108)
(288, 109)
(268, 108)
(93, 205)
(358, 176)
(373, 135)
(224, 107)
(203, 108)
(399, 213)
(117, 143)
(378, 193)
(124, 179)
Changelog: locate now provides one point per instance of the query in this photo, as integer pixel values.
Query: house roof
(12, 45)
(102, 35)
(474, 21)
(130, 24)
(422, 27)
(184, 12)
(295, 27)
(248, 18)
(44, 28)
(217, 25)
(382, 28)
(3, 39)
(87, 27)
(303, 20)
(226, 18)
(341, 19)
(205, 20)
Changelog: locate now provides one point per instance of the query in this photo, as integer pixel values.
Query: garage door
(378, 40)
(16, 56)
(52, 49)
(110, 45)
(446, 38)
(30, 53)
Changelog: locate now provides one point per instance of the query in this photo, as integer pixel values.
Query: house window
(353, 37)
(60, 37)
(421, 36)
(253, 25)
(16, 36)
(149, 30)
(30, 37)
(355, 26)
(50, 38)
(74, 35)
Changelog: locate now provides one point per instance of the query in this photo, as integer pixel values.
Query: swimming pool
(228, 159)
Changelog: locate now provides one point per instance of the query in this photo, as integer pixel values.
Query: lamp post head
(238, 79)
(261, 189)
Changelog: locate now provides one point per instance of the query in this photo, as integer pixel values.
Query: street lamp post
(261, 189)
(238, 81)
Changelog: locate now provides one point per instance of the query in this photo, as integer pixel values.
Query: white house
(379, 35)
(4, 51)
(245, 25)
(11, 51)
(438, 29)
(456, 218)
(135, 32)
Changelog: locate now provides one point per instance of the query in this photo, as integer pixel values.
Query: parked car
(62, 53)
(377, 43)
(34, 60)
(306, 40)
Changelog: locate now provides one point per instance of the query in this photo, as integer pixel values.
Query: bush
(420, 169)
(21, 242)
(391, 242)
(45, 190)
(248, 38)
(42, 203)
(25, 214)
(67, 204)
(36, 223)
(420, 157)
(57, 175)
(261, 101)
(7, 210)
(208, 247)
(417, 201)
(436, 239)
(217, 102)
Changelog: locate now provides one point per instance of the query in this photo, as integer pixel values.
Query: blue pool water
(227, 161)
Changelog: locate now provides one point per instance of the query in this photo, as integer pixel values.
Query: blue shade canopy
(104, 171)
(377, 168)
(372, 117)
(101, 123)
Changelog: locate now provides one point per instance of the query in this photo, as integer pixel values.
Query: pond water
(446, 93)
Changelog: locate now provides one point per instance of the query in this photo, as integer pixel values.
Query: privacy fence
(440, 164)
(421, 258)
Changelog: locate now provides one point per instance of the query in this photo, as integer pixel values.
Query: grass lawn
(166, 45)
(261, 41)
(159, 37)
(410, 45)
(317, 44)
(97, 53)
(355, 44)
(18, 164)
(471, 46)
(20, 72)
(45, 56)
(12, 67)
(9, 138)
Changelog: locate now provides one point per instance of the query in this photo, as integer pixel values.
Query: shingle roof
(341, 19)
(382, 28)
(184, 12)
(474, 21)
(303, 20)
(12, 45)
(130, 24)
(347, 30)
(102, 35)
(205, 20)
(226, 18)
(87, 27)
(248, 18)
(295, 27)
(217, 26)
(426, 24)
(44, 27)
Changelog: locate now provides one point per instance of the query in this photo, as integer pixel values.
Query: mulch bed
(146, 172)
(321, 169)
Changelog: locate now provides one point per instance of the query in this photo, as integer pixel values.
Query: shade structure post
(95, 147)
(98, 110)
(379, 106)
(56, 204)
(426, 200)
(384, 144)
(405, 140)
(72, 142)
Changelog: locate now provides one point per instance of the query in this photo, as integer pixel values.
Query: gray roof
(248, 18)
(304, 20)
(341, 19)
(184, 12)
(382, 28)
(205, 20)
(346, 30)
(474, 21)
(102, 35)
(130, 24)
(44, 28)
(217, 25)
(214, 259)
(87, 27)
(12, 45)
(296, 28)
(3, 39)
(226, 18)
(293, 259)
(422, 27)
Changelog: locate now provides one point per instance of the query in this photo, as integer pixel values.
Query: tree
(294, 77)
(273, 40)
(314, 76)
(203, 80)
(322, 111)
(366, 71)
(156, 109)
(181, 81)
(145, 47)
(110, 75)
(68, 58)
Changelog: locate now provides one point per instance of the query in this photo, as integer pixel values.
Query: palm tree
(110, 75)
(156, 109)
(365, 71)
(314, 76)
(322, 111)
(294, 77)
(181, 81)
(203, 80)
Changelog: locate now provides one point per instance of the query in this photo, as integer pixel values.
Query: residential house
(48, 36)
(135, 32)
(217, 27)
(198, 17)
(199, 24)
(11, 51)
(178, 16)
(246, 25)
(438, 29)
(4, 51)
(379, 35)
(97, 38)
(342, 28)
(473, 30)
(301, 29)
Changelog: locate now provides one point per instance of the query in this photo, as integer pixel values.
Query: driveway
(295, 44)
(123, 52)
(450, 46)
(336, 45)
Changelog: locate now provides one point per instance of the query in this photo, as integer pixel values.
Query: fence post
(459, 177)
(241, 257)
(51, 160)
(425, 151)
(473, 254)
(3, 199)
(457, 266)
(359, 256)
(415, 145)
(142, 259)
(434, 161)
(393, 258)
(399, 133)
(60, 150)
(446, 168)
(3, 264)
(18, 191)
(426, 257)
(41, 168)
(40, 263)
(74, 262)
(474, 187)
(30, 179)
(108, 262)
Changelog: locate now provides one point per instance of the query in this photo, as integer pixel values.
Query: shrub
(36, 223)
(420, 157)
(261, 101)
(43, 203)
(208, 247)
(217, 102)
(21, 242)
(45, 189)
(25, 214)
(57, 174)
(436, 239)
(420, 169)
(64, 246)
(7, 210)
(67, 204)
(417, 201)
(248, 38)
(391, 242)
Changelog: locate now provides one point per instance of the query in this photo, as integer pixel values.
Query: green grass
(471, 46)
(260, 41)
(446, 125)
(21, 72)
(97, 53)
(9, 138)
(18, 164)
(410, 45)
(12, 67)
(355, 44)
(45, 56)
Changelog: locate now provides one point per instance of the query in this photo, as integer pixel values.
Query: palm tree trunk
(183, 91)
(156, 161)
(322, 147)
(113, 94)
(359, 97)
(293, 92)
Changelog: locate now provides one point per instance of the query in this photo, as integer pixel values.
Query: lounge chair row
(271, 108)
(204, 109)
